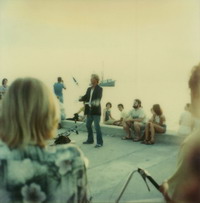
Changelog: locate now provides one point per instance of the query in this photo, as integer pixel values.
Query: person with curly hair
(155, 125)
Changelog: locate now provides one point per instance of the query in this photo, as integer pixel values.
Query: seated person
(136, 120)
(29, 170)
(123, 115)
(155, 125)
(186, 122)
(107, 117)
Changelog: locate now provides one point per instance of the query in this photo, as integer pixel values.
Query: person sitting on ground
(136, 120)
(30, 170)
(155, 125)
(107, 117)
(186, 121)
(123, 115)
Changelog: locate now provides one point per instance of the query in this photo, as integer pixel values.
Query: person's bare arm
(111, 116)
(135, 119)
(162, 120)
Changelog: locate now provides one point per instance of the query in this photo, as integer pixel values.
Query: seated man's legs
(127, 125)
(138, 126)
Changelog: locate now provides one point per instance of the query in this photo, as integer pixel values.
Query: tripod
(144, 175)
(75, 129)
(63, 138)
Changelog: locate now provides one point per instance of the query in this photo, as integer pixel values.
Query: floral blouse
(38, 175)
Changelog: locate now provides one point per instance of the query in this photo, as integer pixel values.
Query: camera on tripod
(76, 117)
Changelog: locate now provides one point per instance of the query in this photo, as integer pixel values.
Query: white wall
(148, 46)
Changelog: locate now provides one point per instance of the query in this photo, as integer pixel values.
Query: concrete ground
(110, 165)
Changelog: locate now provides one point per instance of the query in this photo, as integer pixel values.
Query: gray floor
(110, 166)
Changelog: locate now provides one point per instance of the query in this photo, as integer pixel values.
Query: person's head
(4, 81)
(59, 79)
(156, 109)
(194, 85)
(29, 114)
(108, 105)
(94, 79)
(120, 107)
(137, 104)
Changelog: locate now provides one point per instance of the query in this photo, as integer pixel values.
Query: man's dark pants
(96, 120)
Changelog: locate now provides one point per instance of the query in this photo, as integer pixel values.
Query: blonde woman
(29, 172)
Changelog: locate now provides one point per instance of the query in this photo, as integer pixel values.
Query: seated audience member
(107, 117)
(155, 125)
(186, 122)
(29, 170)
(123, 115)
(136, 121)
(184, 184)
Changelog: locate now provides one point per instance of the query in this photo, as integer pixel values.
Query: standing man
(92, 100)
(58, 87)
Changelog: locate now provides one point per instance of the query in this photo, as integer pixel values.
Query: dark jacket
(95, 108)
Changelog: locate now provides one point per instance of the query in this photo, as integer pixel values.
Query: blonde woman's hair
(29, 114)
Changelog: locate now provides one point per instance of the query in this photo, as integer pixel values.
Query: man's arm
(135, 119)
(141, 117)
(64, 87)
(84, 98)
